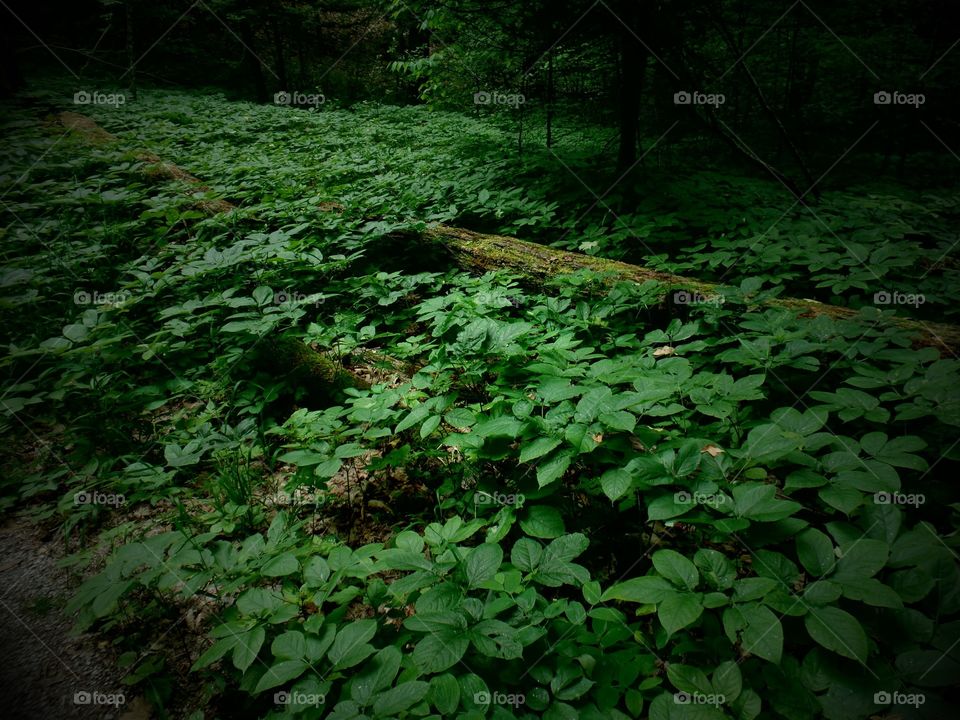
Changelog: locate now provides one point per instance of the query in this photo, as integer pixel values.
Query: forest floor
(47, 671)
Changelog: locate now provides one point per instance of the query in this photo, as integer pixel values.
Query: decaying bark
(321, 377)
(156, 168)
(475, 251)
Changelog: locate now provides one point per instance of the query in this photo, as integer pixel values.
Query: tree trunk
(259, 83)
(550, 99)
(131, 54)
(631, 58)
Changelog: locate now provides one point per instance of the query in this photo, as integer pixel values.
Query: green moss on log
(537, 263)
(318, 375)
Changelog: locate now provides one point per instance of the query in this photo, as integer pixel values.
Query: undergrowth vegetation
(563, 500)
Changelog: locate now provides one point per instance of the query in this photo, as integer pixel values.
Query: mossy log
(537, 263)
(323, 379)
(154, 169)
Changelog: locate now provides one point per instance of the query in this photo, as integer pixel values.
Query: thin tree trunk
(131, 57)
(550, 99)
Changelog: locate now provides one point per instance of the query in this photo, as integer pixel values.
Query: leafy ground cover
(563, 501)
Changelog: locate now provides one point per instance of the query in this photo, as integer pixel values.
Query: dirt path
(45, 672)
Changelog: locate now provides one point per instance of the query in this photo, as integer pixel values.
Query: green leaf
(716, 568)
(871, 591)
(291, 645)
(593, 403)
(444, 694)
(679, 610)
(647, 590)
(863, 558)
(837, 630)
(282, 672)
(727, 681)
(439, 652)
(676, 568)
(526, 554)
(553, 468)
(400, 698)
(760, 631)
(429, 426)
(377, 675)
(214, 653)
(688, 679)
(460, 418)
(757, 501)
(417, 415)
(554, 390)
(538, 448)
(503, 426)
(620, 420)
(247, 646)
(615, 483)
(542, 521)
(285, 564)
(815, 551)
(350, 645)
(482, 564)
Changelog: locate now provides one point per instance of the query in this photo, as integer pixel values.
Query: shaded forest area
(445, 358)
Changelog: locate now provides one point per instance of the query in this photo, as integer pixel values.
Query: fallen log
(155, 167)
(537, 263)
(323, 378)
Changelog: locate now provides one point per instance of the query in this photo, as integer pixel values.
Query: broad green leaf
(538, 448)
(526, 554)
(647, 590)
(542, 521)
(482, 564)
(553, 468)
(759, 630)
(676, 568)
(285, 564)
(400, 698)
(815, 551)
(679, 610)
(837, 630)
(247, 646)
(615, 483)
